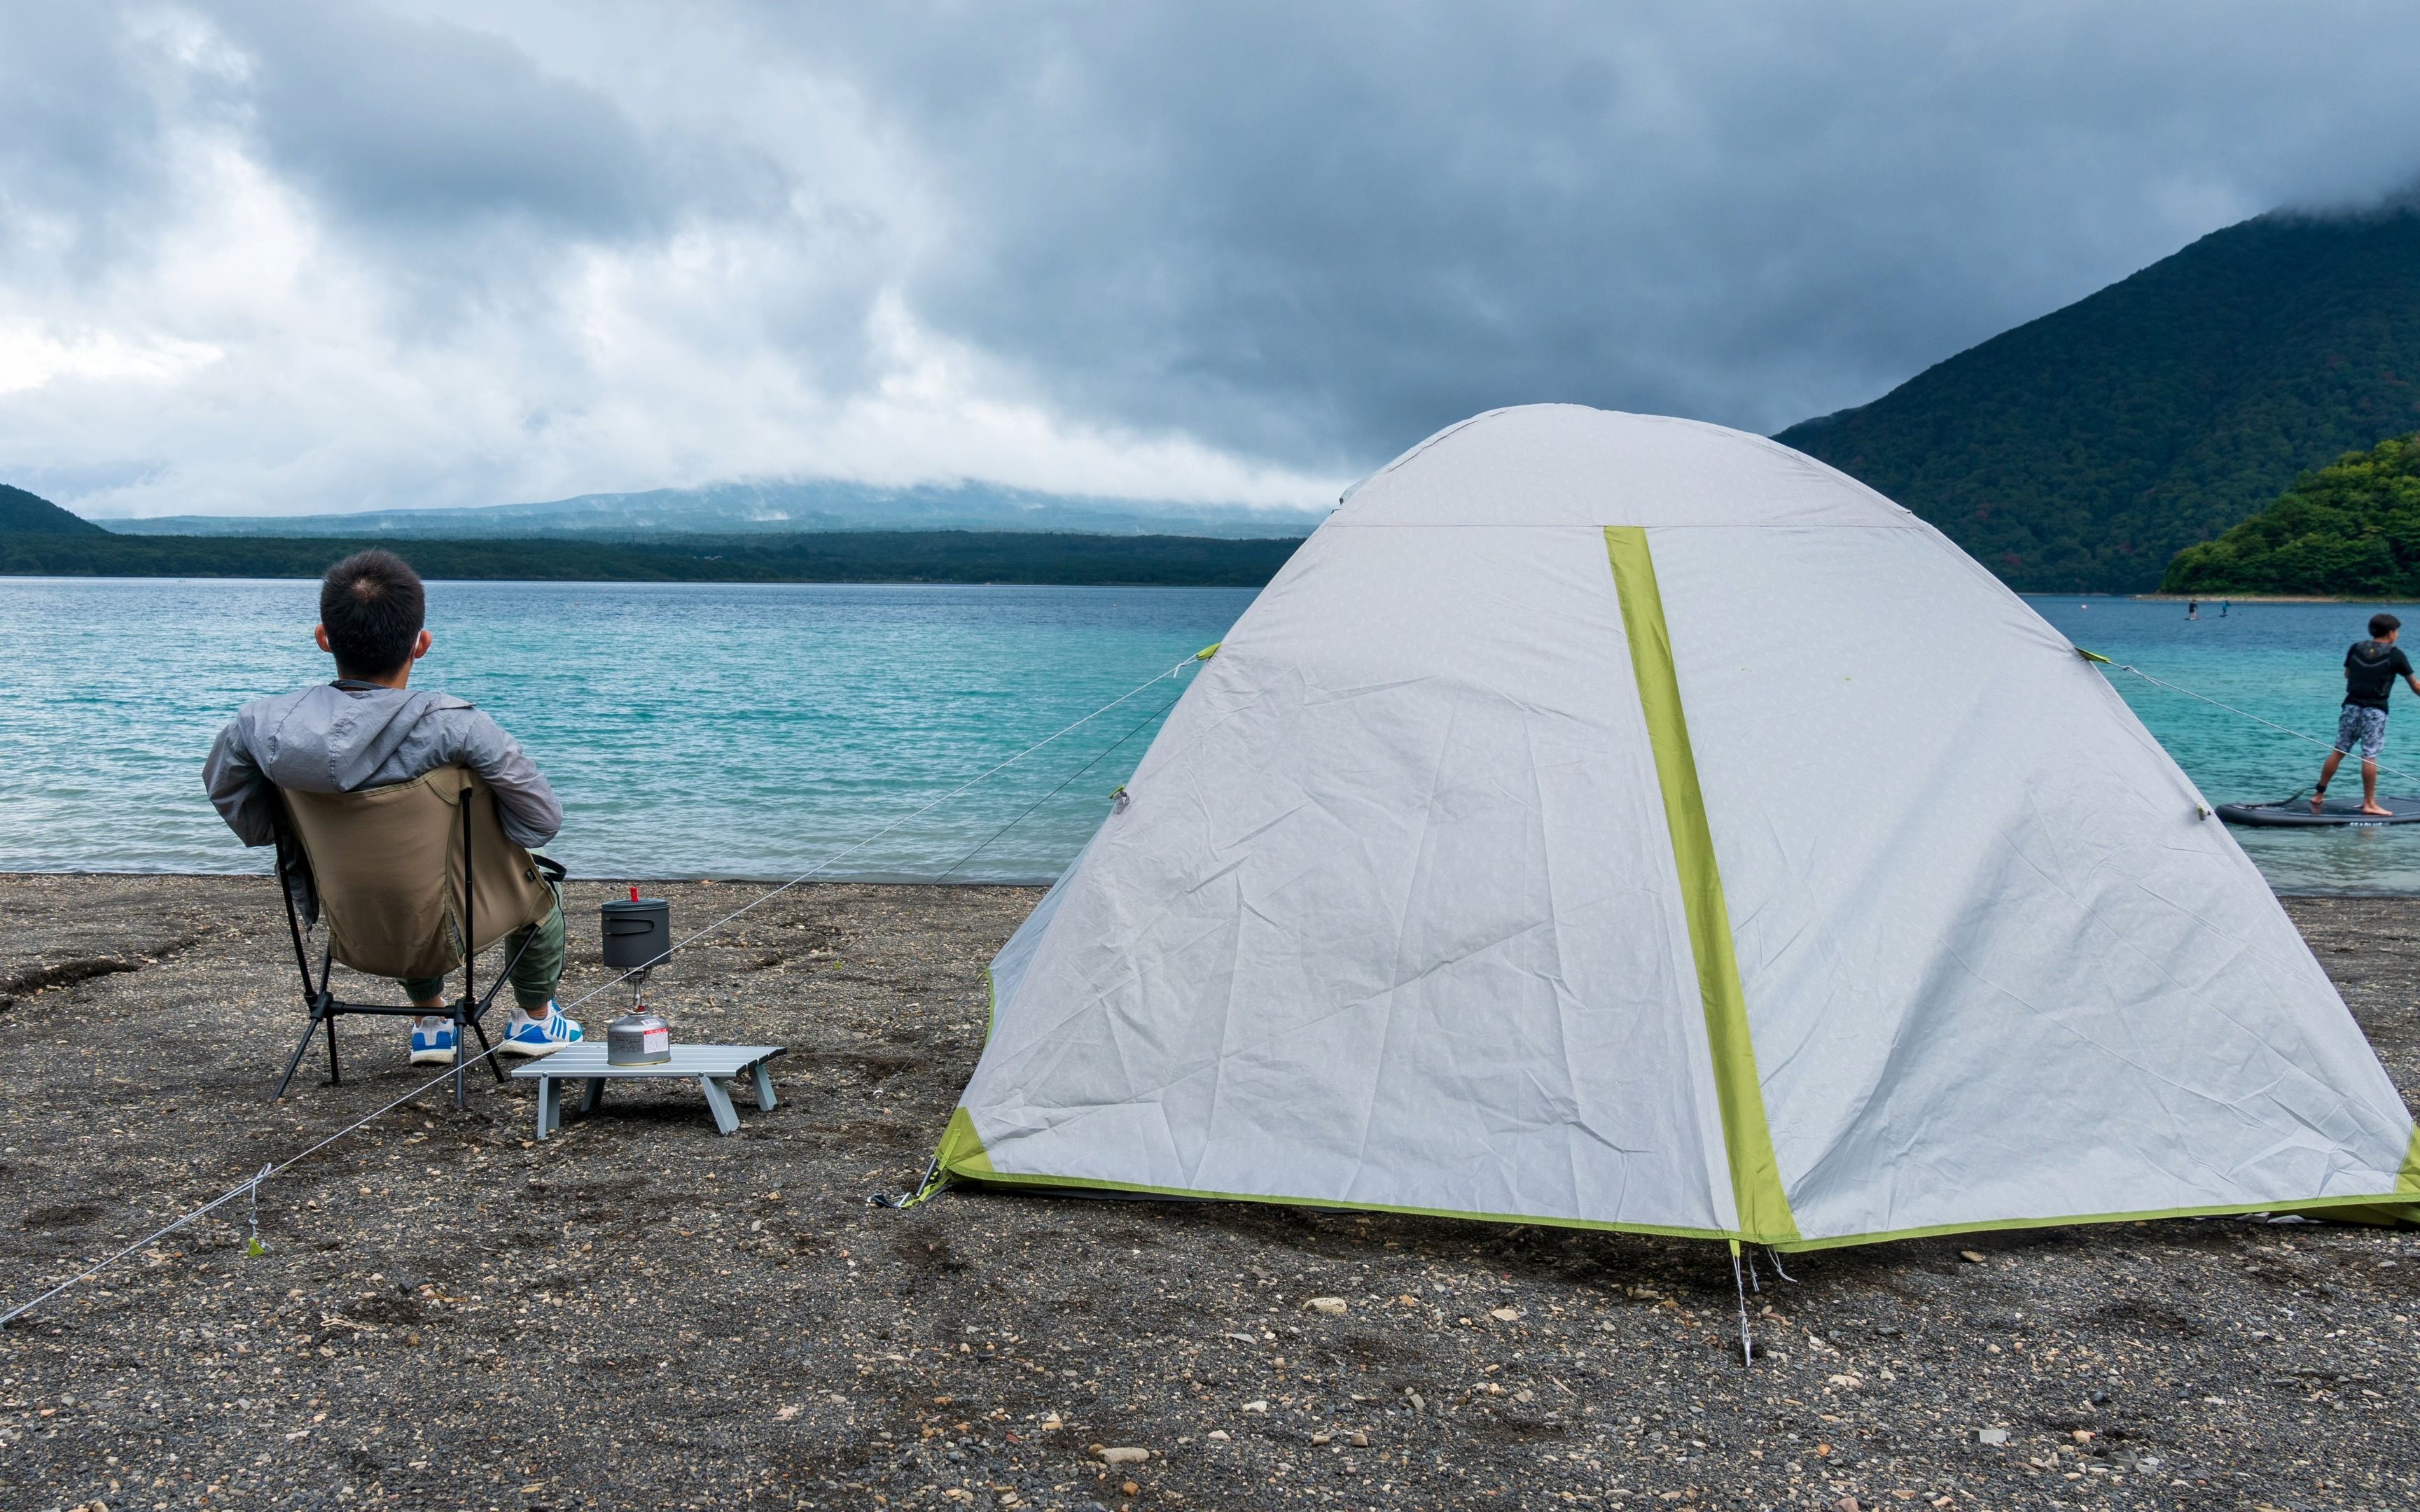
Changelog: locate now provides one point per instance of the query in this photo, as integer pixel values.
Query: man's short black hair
(372, 607)
(2382, 626)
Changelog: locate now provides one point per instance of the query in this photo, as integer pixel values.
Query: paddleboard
(2336, 814)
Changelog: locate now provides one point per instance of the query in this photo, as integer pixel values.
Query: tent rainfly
(1626, 823)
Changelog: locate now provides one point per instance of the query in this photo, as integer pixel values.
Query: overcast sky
(306, 256)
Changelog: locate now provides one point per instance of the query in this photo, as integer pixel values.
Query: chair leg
(336, 1076)
(494, 1062)
(296, 1059)
(461, 1053)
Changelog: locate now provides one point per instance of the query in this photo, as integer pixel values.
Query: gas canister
(638, 1038)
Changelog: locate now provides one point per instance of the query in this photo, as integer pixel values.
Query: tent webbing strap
(1764, 1214)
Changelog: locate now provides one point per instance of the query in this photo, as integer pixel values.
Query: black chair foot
(296, 1059)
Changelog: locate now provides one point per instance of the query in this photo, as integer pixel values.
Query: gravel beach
(638, 1313)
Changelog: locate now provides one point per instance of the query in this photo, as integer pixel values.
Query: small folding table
(705, 1064)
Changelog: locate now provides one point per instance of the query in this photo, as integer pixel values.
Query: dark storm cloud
(1321, 231)
(418, 126)
(464, 251)
(80, 135)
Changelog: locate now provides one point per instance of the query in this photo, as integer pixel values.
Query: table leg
(719, 1103)
(545, 1106)
(593, 1097)
(764, 1085)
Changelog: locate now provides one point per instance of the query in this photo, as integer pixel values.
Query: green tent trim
(1765, 1216)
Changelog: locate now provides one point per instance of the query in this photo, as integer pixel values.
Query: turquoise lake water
(690, 730)
(703, 730)
(2283, 662)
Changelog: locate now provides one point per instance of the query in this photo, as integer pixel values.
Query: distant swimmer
(2372, 668)
(2223, 607)
(2193, 608)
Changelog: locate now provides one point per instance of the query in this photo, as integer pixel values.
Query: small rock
(1419, 1403)
(1323, 1438)
(1847, 1503)
(2083, 1435)
(1256, 1407)
(787, 1414)
(1217, 1436)
(1330, 1306)
(1129, 1488)
(1358, 1440)
(1126, 1454)
(1994, 1437)
(1051, 1423)
(1972, 1257)
(1505, 1315)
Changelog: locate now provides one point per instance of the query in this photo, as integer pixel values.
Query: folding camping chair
(404, 876)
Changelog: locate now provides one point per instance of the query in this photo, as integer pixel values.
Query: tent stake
(1747, 1350)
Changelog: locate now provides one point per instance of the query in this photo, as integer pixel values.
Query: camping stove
(638, 938)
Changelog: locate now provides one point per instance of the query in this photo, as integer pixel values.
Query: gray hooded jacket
(342, 737)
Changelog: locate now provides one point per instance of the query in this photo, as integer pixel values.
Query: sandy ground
(639, 1314)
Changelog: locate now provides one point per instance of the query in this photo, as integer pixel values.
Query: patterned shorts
(2364, 728)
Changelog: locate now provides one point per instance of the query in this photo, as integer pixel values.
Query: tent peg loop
(933, 1181)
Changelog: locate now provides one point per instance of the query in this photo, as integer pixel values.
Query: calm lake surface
(703, 730)
(690, 730)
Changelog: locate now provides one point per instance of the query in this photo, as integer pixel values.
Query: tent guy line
(2308, 740)
(251, 1185)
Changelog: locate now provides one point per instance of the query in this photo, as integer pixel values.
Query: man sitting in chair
(367, 730)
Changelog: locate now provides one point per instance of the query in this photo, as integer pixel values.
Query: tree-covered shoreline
(2350, 529)
(849, 556)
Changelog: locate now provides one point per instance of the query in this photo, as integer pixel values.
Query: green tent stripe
(961, 1152)
(1756, 1177)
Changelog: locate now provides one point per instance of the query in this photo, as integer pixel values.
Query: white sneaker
(527, 1036)
(432, 1041)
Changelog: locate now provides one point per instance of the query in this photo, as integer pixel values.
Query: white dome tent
(1627, 822)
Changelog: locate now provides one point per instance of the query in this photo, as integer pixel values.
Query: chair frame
(326, 1007)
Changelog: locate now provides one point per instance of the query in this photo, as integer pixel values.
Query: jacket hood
(333, 739)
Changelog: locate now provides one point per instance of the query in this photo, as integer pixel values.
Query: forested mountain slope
(2082, 450)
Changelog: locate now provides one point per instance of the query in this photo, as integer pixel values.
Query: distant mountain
(740, 508)
(2349, 530)
(25, 514)
(2081, 450)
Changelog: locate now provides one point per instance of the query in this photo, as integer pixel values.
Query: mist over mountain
(2081, 450)
(766, 508)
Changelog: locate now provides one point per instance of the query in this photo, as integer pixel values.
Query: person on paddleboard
(368, 728)
(2372, 668)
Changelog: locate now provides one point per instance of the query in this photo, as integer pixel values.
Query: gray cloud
(292, 257)
(1322, 230)
(418, 127)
